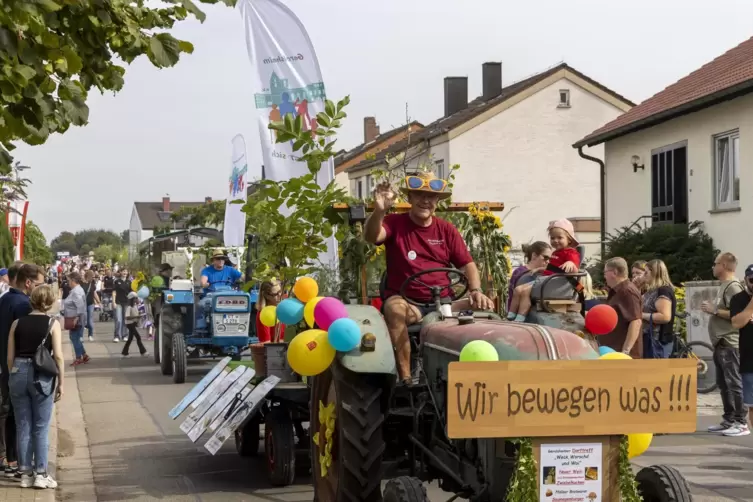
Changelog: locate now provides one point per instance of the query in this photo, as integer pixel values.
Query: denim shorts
(748, 389)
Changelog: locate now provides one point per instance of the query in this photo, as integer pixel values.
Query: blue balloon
(143, 292)
(605, 350)
(290, 311)
(344, 335)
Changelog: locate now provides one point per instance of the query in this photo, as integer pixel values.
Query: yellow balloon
(310, 352)
(268, 316)
(638, 444)
(135, 285)
(305, 289)
(615, 355)
(308, 310)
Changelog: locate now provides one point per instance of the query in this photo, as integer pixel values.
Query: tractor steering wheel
(436, 291)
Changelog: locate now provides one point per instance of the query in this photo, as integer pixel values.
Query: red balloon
(601, 319)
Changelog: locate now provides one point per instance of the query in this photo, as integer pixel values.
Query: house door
(669, 184)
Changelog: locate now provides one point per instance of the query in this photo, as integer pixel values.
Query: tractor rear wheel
(355, 471)
(279, 447)
(662, 483)
(179, 359)
(405, 489)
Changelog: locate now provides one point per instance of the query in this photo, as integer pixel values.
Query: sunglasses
(418, 183)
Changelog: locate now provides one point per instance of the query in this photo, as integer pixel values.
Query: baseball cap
(749, 272)
(3, 271)
(165, 266)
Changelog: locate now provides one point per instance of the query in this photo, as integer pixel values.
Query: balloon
(638, 444)
(310, 352)
(605, 350)
(290, 311)
(344, 335)
(268, 316)
(157, 282)
(305, 289)
(135, 285)
(601, 319)
(327, 311)
(308, 310)
(615, 355)
(143, 292)
(479, 350)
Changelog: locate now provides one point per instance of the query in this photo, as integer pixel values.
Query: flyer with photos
(570, 473)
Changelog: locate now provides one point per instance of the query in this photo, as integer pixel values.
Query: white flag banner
(288, 81)
(235, 218)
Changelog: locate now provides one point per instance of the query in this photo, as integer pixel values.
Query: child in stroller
(107, 311)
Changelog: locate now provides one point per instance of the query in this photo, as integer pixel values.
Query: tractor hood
(513, 341)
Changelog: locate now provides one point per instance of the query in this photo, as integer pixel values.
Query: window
(439, 169)
(564, 98)
(369, 185)
(727, 170)
(669, 188)
(359, 188)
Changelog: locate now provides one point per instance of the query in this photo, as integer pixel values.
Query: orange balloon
(305, 289)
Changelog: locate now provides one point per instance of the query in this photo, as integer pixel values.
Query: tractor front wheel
(405, 489)
(662, 483)
(164, 341)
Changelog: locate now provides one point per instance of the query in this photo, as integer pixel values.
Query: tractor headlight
(242, 328)
(221, 328)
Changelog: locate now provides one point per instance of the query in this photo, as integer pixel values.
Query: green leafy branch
(523, 487)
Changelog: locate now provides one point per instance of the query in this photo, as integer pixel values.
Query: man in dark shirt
(625, 298)
(13, 305)
(741, 315)
(121, 288)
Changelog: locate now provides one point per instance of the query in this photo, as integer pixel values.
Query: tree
(65, 243)
(209, 214)
(54, 51)
(105, 253)
(6, 244)
(36, 249)
(84, 241)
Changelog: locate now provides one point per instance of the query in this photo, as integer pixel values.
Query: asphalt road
(139, 453)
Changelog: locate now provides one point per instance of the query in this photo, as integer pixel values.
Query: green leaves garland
(628, 485)
(523, 487)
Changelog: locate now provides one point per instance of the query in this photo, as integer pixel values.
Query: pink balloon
(327, 311)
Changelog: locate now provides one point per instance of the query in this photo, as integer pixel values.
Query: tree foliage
(687, 250)
(53, 52)
(36, 249)
(204, 215)
(6, 243)
(84, 241)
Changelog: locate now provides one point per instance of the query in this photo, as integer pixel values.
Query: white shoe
(44, 481)
(27, 480)
(737, 430)
(115, 339)
(145, 354)
(720, 427)
(91, 338)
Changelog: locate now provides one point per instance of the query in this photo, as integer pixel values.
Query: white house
(680, 155)
(513, 145)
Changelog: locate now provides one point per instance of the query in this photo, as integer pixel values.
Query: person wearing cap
(741, 315)
(218, 273)
(565, 259)
(4, 281)
(416, 241)
(132, 317)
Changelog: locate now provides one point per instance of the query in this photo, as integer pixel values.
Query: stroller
(106, 314)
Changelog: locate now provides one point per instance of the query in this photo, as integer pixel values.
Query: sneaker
(10, 471)
(85, 358)
(737, 430)
(720, 427)
(74, 363)
(42, 481)
(115, 339)
(91, 338)
(27, 480)
(123, 355)
(144, 354)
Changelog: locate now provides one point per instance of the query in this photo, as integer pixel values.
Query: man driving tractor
(417, 241)
(218, 273)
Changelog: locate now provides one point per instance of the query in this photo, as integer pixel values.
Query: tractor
(380, 429)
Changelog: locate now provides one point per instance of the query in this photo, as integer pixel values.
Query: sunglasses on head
(417, 183)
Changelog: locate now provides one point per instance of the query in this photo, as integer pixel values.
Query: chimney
(491, 76)
(207, 200)
(455, 95)
(370, 129)
(166, 204)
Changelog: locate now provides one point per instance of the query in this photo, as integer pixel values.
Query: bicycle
(684, 350)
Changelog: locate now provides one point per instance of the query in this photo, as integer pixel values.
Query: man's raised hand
(384, 196)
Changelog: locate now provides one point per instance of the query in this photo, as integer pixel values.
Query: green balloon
(479, 350)
(157, 282)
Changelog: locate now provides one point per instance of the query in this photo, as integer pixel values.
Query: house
(513, 145)
(373, 143)
(146, 217)
(679, 156)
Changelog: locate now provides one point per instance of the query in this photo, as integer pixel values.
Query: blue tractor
(191, 326)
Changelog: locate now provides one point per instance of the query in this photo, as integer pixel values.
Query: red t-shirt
(265, 333)
(562, 256)
(410, 248)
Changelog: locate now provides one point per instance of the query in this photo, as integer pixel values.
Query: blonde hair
(588, 286)
(659, 275)
(639, 264)
(42, 298)
(264, 290)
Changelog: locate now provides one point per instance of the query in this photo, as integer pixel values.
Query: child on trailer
(133, 316)
(565, 257)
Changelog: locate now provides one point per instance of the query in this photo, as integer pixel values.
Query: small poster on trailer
(570, 473)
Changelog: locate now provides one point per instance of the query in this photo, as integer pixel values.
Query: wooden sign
(570, 398)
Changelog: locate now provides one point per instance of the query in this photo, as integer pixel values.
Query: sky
(169, 131)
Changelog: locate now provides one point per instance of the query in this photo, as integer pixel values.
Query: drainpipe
(602, 196)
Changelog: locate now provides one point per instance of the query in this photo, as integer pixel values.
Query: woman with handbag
(35, 359)
(74, 317)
